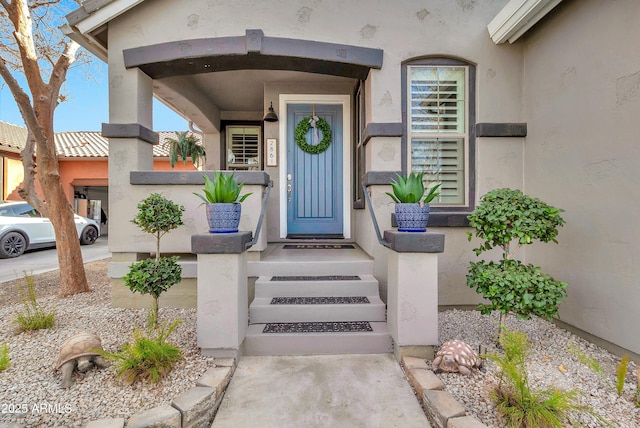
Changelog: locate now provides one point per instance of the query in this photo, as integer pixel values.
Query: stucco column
(222, 292)
(412, 287)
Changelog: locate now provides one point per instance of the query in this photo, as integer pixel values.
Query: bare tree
(31, 44)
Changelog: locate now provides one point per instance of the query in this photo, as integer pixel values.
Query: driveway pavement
(45, 260)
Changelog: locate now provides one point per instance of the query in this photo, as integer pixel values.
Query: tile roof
(12, 137)
(74, 144)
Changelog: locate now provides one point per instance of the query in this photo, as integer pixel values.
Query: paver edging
(191, 406)
(440, 406)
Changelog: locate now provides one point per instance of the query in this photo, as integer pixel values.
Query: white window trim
(465, 135)
(345, 101)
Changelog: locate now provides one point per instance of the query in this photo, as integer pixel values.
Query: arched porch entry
(218, 81)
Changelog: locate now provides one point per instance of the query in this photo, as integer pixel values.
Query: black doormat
(317, 327)
(317, 278)
(333, 300)
(318, 246)
(315, 237)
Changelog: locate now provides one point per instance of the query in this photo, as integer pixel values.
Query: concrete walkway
(319, 391)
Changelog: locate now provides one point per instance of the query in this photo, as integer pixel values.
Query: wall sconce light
(271, 115)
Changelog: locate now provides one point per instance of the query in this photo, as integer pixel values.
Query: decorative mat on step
(318, 247)
(349, 300)
(317, 327)
(316, 278)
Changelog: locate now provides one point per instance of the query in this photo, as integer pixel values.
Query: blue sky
(87, 106)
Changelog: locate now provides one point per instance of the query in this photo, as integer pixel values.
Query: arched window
(439, 121)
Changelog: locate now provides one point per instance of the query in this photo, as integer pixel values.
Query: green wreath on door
(301, 135)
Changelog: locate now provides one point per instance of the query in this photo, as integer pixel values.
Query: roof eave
(91, 16)
(517, 17)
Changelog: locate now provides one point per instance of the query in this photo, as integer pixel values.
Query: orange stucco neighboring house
(83, 164)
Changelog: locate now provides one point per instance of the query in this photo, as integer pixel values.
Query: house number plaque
(272, 152)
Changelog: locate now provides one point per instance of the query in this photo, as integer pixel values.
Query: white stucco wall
(582, 104)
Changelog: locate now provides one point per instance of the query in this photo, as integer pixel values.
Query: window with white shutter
(243, 147)
(437, 131)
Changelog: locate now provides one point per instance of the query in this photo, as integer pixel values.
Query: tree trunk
(72, 276)
(501, 327)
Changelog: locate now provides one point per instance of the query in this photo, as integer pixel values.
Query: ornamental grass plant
(5, 360)
(34, 317)
(521, 406)
(149, 357)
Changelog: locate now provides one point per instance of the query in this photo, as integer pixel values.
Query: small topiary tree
(509, 219)
(156, 215)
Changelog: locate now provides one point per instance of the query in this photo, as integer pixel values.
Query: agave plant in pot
(412, 206)
(222, 199)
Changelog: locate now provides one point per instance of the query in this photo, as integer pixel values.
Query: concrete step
(309, 267)
(377, 341)
(367, 285)
(263, 311)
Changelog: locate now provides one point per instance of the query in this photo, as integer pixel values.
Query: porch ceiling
(233, 91)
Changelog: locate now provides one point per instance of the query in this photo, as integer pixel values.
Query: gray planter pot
(412, 217)
(223, 218)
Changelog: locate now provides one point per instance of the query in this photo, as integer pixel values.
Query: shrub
(521, 406)
(149, 357)
(33, 317)
(5, 360)
(508, 219)
(157, 216)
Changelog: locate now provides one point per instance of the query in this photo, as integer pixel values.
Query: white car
(23, 228)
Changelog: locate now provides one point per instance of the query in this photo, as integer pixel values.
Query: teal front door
(314, 181)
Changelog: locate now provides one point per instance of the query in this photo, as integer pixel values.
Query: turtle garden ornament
(81, 351)
(456, 356)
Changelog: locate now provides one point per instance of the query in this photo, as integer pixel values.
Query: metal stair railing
(381, 240)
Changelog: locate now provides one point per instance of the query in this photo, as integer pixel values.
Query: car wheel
(89, 235)
(12, 244)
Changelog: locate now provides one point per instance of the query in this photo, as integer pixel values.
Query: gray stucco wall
(582, 105)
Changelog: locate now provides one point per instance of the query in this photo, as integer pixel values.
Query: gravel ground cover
(32, 382)
(552, 364)
(30, 392)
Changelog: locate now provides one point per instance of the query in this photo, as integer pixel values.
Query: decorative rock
(422, 380)
(441, 406)
(10, 425)
(465, 422)
(163, 416)
(106, 423)
(197, 406)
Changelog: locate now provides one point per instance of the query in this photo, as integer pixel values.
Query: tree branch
(20, 16)
(59, 72)
(22, 100)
